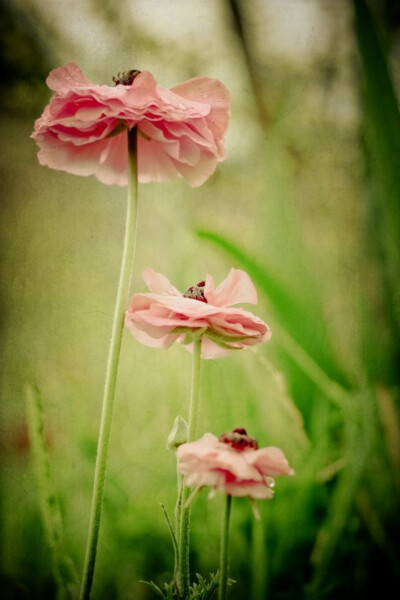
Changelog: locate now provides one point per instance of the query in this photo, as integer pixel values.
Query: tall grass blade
(173, 539)
(382, 146)
(359, 438)
(63, 569)
(310, 352)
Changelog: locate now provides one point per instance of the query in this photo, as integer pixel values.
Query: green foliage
(63, 568)
(202, 589)
(381, 128)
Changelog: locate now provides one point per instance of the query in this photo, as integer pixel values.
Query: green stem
(178, 513)
(258, 557)
(184, 568)
(224, 556)
(112, 366)
(195, 392)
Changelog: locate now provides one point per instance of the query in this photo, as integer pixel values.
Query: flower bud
(178, 435)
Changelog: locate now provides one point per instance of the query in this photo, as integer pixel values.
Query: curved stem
(224, 556)
(184, 568)
(112, 367)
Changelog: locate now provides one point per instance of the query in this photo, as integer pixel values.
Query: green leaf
(381, 126)
(152, 586)
(63, 568)
(360, 433)
(173, 538)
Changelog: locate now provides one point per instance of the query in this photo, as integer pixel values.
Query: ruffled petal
(64, 79)
(206, 443)
(270, 461)
(154, 162)
(204, 168)
(180, 107)
(214, 93)
(209, 288)
(237, 287)
(79, 160)
(252, 489)
(159, 283)
(235, 463)
(182, 135)
(209, 462)
(164, 341)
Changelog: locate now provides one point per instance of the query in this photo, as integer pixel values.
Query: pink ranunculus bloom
(233, 464)
(83, 130)
(165, 315)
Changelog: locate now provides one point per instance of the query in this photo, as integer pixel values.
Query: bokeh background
(307, 202)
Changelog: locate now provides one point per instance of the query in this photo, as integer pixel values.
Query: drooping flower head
(165, 315)
(232, 464)
(83, 130)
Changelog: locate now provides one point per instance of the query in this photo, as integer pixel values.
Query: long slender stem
(178, 513)
(112, 366)
(184, 569)
(224, 556)
(195, 392)
(258, 558)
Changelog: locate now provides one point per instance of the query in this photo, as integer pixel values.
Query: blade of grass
(310, 356)
(173, 538)
(377, 531)
(381, 125)
(49, 506)
(359, 437)
(283, 413)
(239, 23)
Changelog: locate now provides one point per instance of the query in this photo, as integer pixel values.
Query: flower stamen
(196, 292)
(126, 77)
(239, 440)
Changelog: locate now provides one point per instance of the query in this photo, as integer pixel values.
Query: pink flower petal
(271, 461)
(252, 489)
(203, 445)
(223, 328)
(215, 94)
(82, 160)
(208, 462)
(204, 169)
(164, 341)
(179, 134)
(158, 283)
(237, 287)
(154, 162)
(64, 79)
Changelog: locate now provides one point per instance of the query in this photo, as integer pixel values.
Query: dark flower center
(126, 77)
(238, 439)
(196, 292)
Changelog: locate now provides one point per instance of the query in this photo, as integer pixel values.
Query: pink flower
(83, 130)
(165, 316)
(232, 464)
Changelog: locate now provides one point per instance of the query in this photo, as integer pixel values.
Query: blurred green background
(307, 202)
